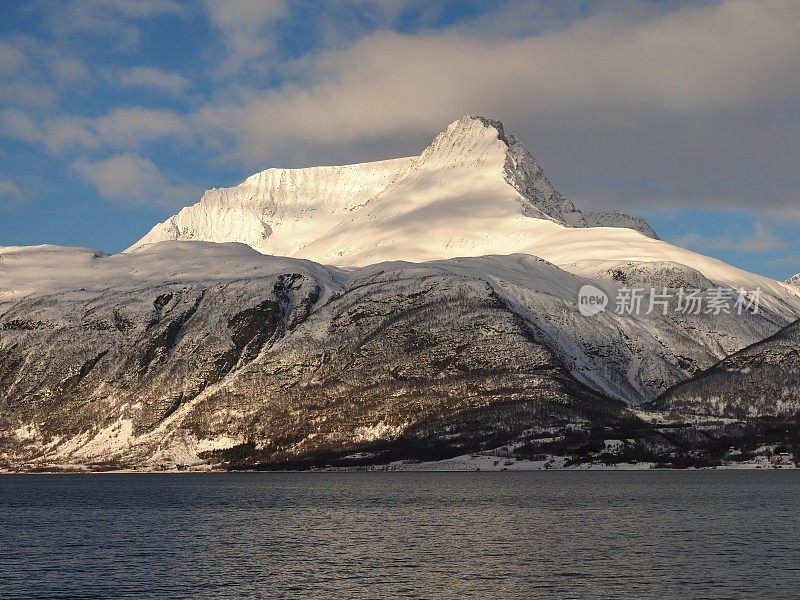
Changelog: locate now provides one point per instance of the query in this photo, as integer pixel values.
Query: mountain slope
(760, 380)
(279, 211)
(187, 348)
(451, 322)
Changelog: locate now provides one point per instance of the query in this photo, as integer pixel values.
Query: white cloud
(152, 78)
(121, 177)
(689, 106)
(24, 93)
(244, 28)
(9, 190)
(62, 134)
(133, 178)
(128, 127)
(122, 128)
(36, 74)
(16, 124)
(140, 9)
(11, 59)
(113, 19)
(66, 69)
(760, 241)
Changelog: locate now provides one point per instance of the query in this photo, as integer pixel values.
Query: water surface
(665, 534)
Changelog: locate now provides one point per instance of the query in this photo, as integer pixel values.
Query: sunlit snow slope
(473, 179)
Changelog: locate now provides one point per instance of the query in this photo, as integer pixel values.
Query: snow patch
(379, 431)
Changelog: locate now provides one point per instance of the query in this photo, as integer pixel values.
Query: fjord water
(666, 534)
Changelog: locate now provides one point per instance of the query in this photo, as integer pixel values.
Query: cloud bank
(686, 107)
(131, 177)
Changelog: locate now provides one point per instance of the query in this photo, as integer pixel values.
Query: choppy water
(433, 535)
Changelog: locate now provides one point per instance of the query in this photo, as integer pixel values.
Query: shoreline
(444, 466)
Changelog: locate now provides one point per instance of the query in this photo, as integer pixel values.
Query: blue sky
(114, 114)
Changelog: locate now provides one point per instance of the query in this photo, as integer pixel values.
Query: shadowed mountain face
(760, 380)
(188, 349)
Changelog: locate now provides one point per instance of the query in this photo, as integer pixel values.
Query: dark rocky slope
(193, 352)
(762, 380)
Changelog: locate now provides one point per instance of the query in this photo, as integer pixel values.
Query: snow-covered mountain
(794, 280)
(475, 190)
(473, 179)
(423, 302)
(186, 348)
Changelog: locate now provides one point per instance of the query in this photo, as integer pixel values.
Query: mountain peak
(469, 138)
(476, 125)
(471, 135)
(479, 142)
(469, 122)
(476, 189)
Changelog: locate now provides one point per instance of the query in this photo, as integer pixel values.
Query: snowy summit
(473, 179)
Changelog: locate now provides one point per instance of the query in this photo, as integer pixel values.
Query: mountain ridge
(762, 379)
(190, 348)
